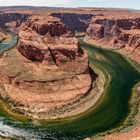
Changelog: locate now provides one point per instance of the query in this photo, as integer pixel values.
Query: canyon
(12, 21)
(3, 36)
(47, 74)
(52, 68)
(117, 32)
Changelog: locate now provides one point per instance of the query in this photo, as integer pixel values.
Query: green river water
(111, 111)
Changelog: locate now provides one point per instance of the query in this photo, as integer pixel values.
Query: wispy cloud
(75, 3)
(35, 2)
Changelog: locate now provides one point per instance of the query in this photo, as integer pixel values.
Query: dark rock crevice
(12, 17)
(75, 22)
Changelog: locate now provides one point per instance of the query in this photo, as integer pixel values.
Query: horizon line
(67, 7)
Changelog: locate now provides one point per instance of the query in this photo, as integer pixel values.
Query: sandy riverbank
(88, 100)
(81, 105)
(129, 133)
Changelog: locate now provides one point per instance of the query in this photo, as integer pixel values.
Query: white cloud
(35, 2)
(93, 0)
(97, 0)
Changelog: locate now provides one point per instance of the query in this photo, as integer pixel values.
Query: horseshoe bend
(69, 73)
(47, 69)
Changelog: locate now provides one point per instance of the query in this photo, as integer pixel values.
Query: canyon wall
(118, 32)
(12, 20)
(47, 70)
(48, 40)
(3, 36)
(74, 21)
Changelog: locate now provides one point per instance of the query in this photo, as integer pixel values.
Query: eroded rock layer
(48, 69)
(3, 36)
(12, 21)
(74, 21)
(117, 32)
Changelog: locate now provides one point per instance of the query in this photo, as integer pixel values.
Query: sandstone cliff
(74, 21)
(12, 20)
(117, 32)
(47, 70)
(48, 40)
(3, 36)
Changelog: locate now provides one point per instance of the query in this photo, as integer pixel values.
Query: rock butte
(47, 69)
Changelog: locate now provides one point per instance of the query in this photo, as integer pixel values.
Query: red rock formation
(48, 69)
(43, 25)
(118, 32)
(17, 18)
(12, 21)
(3, 36)
(50, 41)
(74, 21)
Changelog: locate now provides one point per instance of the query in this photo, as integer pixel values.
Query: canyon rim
(59, 68)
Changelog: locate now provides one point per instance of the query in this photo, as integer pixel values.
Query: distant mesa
(118, 32)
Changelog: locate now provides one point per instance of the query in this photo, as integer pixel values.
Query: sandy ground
(4, 138)
(131, 135)
(127, 51)
(84, 103)
(89, 100)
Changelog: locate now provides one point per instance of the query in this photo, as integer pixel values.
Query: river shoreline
(75, 109)
(88, 115)
(99, 44)
(135, 98)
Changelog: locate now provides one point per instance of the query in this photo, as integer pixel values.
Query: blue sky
(133, 4)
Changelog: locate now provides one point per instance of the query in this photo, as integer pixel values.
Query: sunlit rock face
(121, 32)
(48, 40)
(48, 68)
(3, 36)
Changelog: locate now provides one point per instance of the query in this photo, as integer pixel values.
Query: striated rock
(52, 69)
(12, 20)
(112, 26)
(46, 24)
(74, 21)
(97, 31)
(117, 32)
(31, 52)
(3, 36)
(54, 46)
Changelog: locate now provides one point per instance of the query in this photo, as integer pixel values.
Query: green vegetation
(113, 109)
(5, 112)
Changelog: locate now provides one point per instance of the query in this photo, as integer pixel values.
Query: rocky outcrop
(51, 42)
(74, 21)
(46, 24)
(12, 20)
(117, 32)
(52, 68)
(3, 36)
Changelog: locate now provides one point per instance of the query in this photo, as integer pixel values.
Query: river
(111, 111)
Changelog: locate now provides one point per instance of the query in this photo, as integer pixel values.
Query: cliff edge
(118, 32)
(47, 70)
